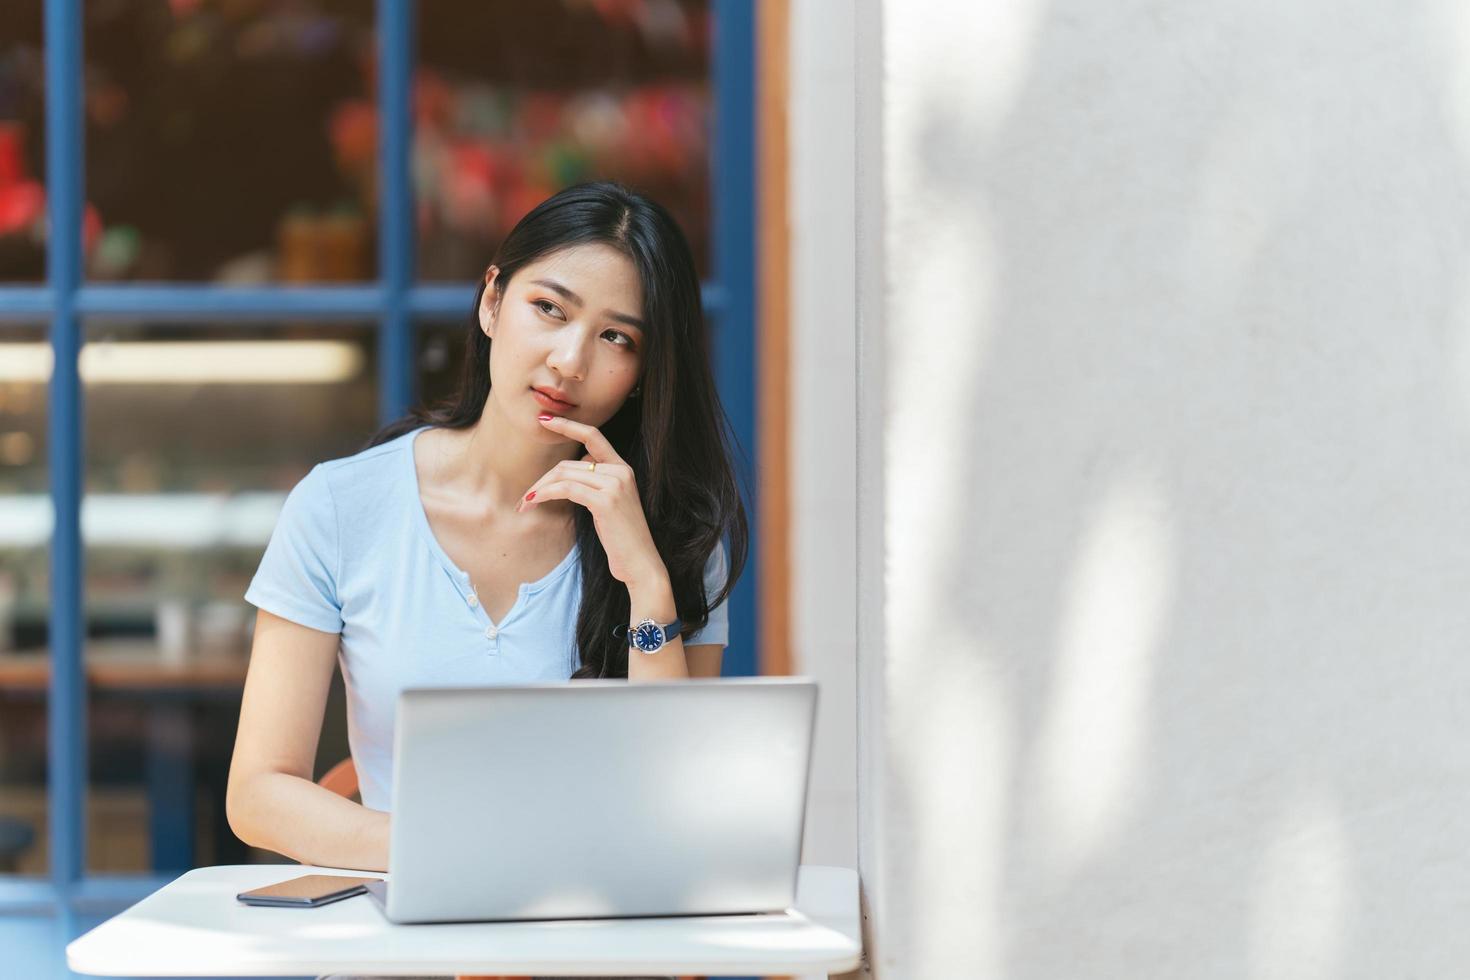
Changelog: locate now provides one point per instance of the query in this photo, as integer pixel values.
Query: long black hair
(675, 435)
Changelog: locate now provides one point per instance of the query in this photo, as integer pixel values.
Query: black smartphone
(306, 892)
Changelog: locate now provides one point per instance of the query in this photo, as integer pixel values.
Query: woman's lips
(551, 403)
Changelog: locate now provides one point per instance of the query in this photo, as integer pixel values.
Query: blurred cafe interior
(236, 143)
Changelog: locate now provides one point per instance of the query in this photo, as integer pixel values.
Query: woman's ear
(490, 302)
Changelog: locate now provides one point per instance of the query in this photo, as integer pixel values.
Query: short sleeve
(297, 577)
(717, 630)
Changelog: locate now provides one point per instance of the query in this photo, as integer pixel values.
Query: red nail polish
(544, 418)
(531, 495)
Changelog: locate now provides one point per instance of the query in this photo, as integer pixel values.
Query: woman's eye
(544, 305)
(625, 341)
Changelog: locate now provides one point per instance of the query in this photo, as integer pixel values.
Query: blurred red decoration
(22, 205)
(433, 100)
(354, 128)
(12, 153)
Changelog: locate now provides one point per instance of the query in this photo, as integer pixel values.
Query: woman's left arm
(655, 601)
(673, 659)
(704, 659)
(610, 491)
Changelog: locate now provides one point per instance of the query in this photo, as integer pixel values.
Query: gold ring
(592, 467)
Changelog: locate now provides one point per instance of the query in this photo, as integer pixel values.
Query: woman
(579, 484)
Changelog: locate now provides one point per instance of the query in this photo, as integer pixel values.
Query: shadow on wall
(1178, 342)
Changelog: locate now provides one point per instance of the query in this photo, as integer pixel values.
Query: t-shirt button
(473, 601)
(490, 632)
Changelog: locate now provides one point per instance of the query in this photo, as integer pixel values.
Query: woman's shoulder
(374, 461)
(367, 477)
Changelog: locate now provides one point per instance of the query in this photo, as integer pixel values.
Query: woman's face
(570, 324)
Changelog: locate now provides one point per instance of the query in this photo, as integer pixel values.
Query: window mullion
(733, 210)
(395, 22)
(66, 709)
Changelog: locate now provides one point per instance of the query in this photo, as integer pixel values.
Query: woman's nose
(569, 356)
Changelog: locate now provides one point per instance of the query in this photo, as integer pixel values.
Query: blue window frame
(393, 303)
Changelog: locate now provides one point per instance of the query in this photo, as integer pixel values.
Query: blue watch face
(647, 636)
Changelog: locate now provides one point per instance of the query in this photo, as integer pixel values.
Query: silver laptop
(598, 798)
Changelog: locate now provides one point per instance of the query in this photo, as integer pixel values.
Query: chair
(342, 780)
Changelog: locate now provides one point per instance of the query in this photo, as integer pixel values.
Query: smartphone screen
(307, 891)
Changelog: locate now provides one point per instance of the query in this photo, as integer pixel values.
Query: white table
(194, 927)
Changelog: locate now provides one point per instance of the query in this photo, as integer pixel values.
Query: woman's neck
(494, 462)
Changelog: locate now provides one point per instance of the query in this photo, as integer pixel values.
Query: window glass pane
(22, 144)
(441, 354)
(25, 530)
(230, 142)
(194, 436)
(515, 100)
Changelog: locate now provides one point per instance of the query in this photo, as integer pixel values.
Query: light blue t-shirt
(353, 553)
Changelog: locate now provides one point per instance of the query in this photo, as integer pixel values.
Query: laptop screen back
(599, 798)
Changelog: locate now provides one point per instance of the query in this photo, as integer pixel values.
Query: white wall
(1164, 435)
(823, 445)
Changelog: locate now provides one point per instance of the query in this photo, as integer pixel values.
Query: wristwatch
(649, 637)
